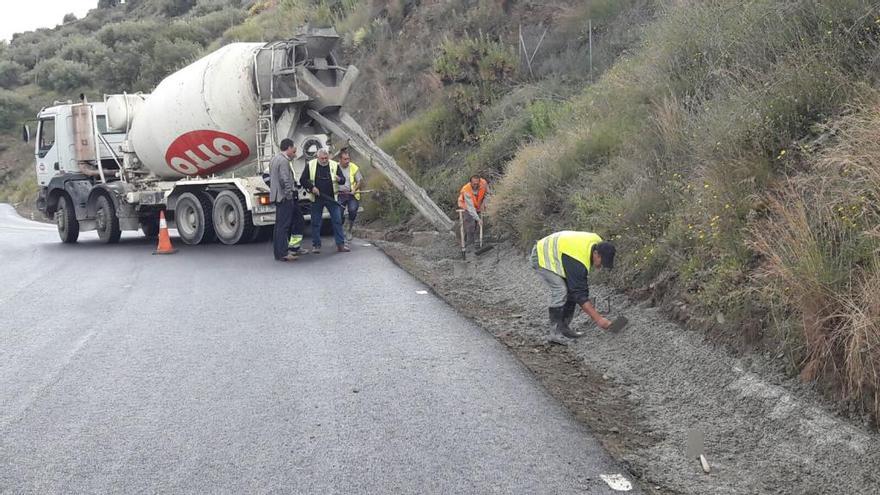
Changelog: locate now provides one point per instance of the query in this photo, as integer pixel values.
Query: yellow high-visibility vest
(353, 170)
(578, 245)
(313, 169)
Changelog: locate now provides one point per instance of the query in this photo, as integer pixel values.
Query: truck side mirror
(25, 133)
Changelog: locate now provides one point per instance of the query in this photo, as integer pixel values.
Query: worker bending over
(349, 193)
(564, 261)
(470, 199)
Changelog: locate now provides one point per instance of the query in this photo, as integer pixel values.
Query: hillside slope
(728, 148)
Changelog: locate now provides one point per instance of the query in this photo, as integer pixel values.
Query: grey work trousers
(557, 285)
(471, 229)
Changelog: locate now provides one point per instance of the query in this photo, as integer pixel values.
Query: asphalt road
(220, 370)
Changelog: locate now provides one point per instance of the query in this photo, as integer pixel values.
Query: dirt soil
(642, 390)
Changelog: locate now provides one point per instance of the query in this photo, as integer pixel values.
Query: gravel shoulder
(643, 390)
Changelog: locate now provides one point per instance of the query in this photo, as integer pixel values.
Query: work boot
(556, 336)
(568, 312)
(342, 248)
(566, 315)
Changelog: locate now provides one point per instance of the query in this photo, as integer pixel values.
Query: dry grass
(673, 151)
(820, 263)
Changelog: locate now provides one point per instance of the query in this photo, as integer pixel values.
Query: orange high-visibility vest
(476, 200)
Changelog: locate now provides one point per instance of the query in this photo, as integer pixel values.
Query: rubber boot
(567, 316)
(568, 312)
(555, 336)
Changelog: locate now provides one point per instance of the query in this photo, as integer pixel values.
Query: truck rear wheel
(193, 218)
(65, 219)
(107, 221)
(232, 222)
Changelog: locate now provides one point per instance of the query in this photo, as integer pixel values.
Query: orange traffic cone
(164, 246)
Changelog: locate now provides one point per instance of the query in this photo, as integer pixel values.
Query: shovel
(482, 248)
(328, 198)
(461, 224)
(619, 322)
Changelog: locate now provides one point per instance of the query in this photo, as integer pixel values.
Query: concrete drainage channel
(664, 402)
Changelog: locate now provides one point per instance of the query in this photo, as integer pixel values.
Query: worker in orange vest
(470, 199)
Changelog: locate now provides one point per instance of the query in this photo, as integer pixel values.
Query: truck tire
(106, 220)
(232, 222)
(192, 215)
(65, 219)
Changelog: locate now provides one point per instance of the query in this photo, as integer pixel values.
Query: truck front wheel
(65, 219)
(107, 221)
(193, 218)
(232, 222)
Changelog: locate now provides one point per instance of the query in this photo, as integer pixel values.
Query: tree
(68, 18)
(12, 109)
(10, 73)
(84, 49)
(167, 57)
(107, 4)
(174, 8)
(63, 75)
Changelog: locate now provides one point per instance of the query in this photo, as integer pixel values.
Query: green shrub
(63, 75)
(10, 73)
(215, 23)
(167, 57)
(128, 32)
(474, 71)
(545, 116)
(13, 108)
(475, 61)
(86, 50)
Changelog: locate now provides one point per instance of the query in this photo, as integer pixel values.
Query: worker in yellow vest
(322, 178)
(349, 193)
(564, 261)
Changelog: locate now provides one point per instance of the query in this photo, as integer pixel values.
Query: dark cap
(606, 250)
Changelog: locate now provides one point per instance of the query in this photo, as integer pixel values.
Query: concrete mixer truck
(198, 146)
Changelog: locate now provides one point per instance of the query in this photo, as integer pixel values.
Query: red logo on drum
(205, 152)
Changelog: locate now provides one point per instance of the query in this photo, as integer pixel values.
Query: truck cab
(74, 152)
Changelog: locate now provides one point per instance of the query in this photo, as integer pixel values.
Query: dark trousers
(317, 212)
(351, 204)
(288, 219)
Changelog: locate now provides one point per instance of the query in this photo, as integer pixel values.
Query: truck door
(46, 150)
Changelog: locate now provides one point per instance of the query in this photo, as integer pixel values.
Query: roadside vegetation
(730, 149)
(116, 47)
